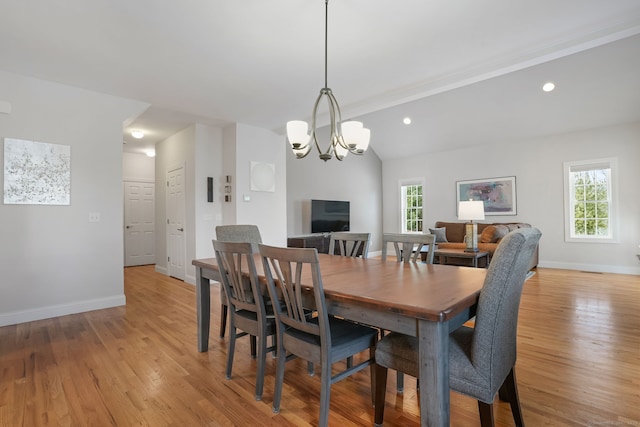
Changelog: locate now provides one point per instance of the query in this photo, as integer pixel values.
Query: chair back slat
(349, 244)
(289, 272)
(408, 246)
(242, 290)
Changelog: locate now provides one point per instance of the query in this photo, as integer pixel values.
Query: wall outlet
(94, 216)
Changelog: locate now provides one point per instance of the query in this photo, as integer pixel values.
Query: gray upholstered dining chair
(239, 233)
(481, 358)
(248, 311)
(349, 244)
(320, 339)
(409, 246)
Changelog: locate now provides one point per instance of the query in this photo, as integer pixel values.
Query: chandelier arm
(314, 136)
(338, 123)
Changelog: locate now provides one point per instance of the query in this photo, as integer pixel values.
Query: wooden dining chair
(349, 244)
(409, 246)
(322, 339)
(247, 233)
(481, 358)
(248, 311)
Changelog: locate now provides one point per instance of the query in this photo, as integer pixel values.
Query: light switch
(94, 216)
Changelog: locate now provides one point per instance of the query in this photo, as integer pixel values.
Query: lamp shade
(297, 133)
(351, 132)
(471, 210)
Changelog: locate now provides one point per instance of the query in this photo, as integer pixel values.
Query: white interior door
(139, 224)
(175, 223)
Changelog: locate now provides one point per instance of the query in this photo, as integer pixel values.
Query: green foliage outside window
(591, 202)
(412, 196)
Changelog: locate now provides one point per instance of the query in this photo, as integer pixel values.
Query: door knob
(180, 229)
(128, 226)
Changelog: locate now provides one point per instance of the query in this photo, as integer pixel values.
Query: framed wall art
(498, 194)
(36, 173)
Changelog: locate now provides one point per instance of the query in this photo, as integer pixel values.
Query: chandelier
(344, 138)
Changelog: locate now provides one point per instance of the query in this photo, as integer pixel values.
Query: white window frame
(584, 165)
(402, 204)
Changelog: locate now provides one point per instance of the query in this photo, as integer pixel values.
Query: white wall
(208, 160)
(138, 167)
(357, 179)
(52, 260)
(198, 149)
(538, 167)
(267, 210)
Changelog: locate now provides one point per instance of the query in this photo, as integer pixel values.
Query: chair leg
(325, 393)
(511, 392)
(372, 371)
(400, 382)
(231, 350)
(349, 362)
(223, 318)
(277, 388)
(262, 355)
(486, 414)
(252, 340)
(380, 391)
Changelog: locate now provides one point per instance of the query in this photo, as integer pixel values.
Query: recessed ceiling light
(406, 120)
(151, 153)
(548, 87)
(137, 134)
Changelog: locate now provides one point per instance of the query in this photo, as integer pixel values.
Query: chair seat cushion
(399, 352)
(345, 335)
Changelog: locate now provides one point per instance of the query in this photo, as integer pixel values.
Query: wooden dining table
(422, 300)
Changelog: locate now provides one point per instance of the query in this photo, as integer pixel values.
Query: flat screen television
(329, 215)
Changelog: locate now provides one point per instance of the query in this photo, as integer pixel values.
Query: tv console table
(320, 241)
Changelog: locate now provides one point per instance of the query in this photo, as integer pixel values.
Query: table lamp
(469, 211)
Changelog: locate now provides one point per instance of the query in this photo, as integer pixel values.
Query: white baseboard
(161, 270)
(30, 315)
(595, 268)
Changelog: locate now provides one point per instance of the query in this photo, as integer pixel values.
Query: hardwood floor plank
(578, 365)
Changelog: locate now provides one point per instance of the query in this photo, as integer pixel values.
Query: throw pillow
(440, 233)
(487, 235)
(501, 231)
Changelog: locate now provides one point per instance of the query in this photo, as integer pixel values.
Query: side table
(444, 254)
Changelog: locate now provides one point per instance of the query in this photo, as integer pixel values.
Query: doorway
(139, 223)
(176, 250)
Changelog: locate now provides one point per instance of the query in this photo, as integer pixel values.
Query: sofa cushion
(493, 233)
(440, 233)
(487, 235)
(512, 227)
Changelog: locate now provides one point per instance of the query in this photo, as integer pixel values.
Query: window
(411, 193)
(590, 207)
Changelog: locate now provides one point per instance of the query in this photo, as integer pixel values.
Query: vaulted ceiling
(467, 72)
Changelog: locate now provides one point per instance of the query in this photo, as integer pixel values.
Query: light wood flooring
(578, 365)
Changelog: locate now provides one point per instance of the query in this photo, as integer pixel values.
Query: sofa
(489, 236)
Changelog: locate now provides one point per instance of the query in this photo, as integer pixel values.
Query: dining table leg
(203, 309)
(433, 349)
